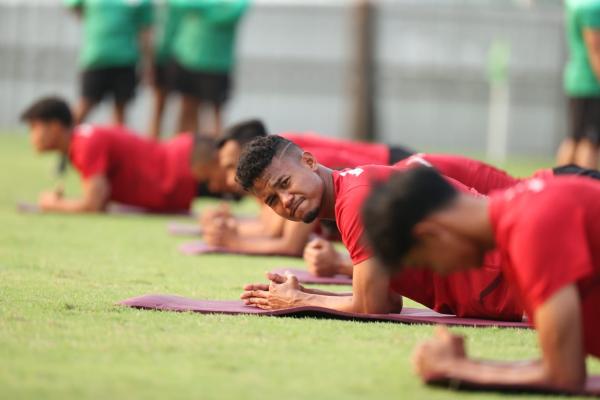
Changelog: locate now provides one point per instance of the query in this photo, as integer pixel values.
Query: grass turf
(61, 336)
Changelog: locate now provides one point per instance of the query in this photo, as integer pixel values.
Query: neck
(328, 199)
(469, 216)
(65, 141)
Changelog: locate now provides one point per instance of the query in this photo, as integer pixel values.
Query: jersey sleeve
(145, 15)
(590, 16)
(549, 250)
(73, 3)
(227, 11)
(91, 156)
(350, 223)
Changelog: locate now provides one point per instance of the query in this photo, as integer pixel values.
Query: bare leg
(188, 117)
(160, 99)
(586, 155)
(119, 112)
(83, 109)
(566, 152)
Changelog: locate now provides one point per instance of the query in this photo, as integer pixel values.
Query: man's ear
(425, 230)
(309, 160)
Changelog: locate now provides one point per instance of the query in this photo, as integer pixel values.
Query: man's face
(45, 135)
(212, 174)
(291, 186)
(229, 155)
(444, 251)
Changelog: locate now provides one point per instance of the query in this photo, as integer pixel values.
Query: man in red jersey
(323, 260)
(547, 232)
(296, 187)
(115, 165)
(270, 233)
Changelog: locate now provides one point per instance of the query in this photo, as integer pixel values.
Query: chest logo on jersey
(354, 172)
(418, 159)
(86, 130)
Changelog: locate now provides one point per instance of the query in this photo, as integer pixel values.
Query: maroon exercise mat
(198, 247)
(236, 307)
(306, 277)
(113, 208)
(184, 229)
(592, 387)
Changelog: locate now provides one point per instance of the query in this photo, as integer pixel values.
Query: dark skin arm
(562, 366)
(290, 242)
(592, 43)
(96, 192)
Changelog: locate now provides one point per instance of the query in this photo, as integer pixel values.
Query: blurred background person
(167, 21)
(204, 57)
(117, 35)
(119, 165)
(582, 84)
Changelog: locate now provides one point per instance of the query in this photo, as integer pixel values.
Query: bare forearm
(250, 227)
(346, 268)
(72, 206)
(531, 374)
(265, 245)
(326, 292)
(334, 302)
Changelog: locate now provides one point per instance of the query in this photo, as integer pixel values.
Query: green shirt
(205, 39)
(111, 31)
(166, 28)
(580, 80)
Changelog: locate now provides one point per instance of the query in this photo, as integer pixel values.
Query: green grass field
(61, 336)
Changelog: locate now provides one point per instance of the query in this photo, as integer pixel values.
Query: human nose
(287, 200)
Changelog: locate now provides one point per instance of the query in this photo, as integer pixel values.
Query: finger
(276, 278)
(254, 293)
(291, 278)
(258, 301)
(417, 358)
(256, 286)
(441, 332)
(318, 243)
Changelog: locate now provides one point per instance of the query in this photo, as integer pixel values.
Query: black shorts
(212, 87)
(118, 82)
(398, 153)
(573, 169)
(163, 75)
(584, 118)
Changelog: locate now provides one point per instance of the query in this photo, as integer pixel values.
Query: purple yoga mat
(236, 307)
(592, 387)
(113, 208)
(306, 277)
(184, 229)
(198, 247)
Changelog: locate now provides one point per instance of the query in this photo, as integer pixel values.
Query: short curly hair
(257, 156)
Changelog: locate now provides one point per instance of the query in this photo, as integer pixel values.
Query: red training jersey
(338, 153)
(472, 173)
(141, 172)
(480, 293)
(475, 174)
(549, 235)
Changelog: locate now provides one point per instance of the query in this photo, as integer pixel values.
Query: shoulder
(535, 207)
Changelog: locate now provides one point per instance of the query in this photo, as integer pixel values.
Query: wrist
(300, 298)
